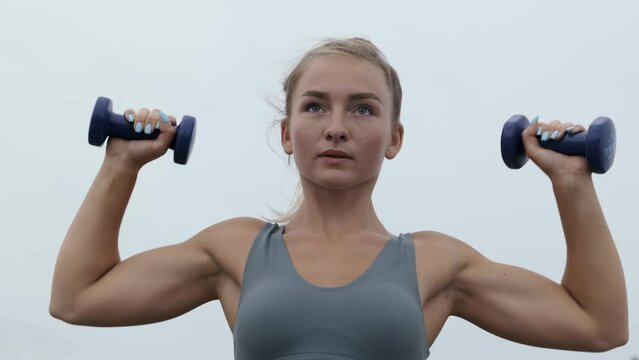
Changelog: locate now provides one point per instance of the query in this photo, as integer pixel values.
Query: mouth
(334, 159)
(334, 154)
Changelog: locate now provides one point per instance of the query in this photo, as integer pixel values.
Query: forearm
(594, 275)
(90, 247)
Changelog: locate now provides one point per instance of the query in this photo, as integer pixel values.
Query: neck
(335, 215)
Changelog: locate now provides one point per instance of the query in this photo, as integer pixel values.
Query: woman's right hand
(136, 153)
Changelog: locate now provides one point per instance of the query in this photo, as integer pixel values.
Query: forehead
(341, 75)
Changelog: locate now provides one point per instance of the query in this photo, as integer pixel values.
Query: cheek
(375, 144)
(302, 140)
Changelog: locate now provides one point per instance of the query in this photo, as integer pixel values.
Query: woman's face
(341, 102)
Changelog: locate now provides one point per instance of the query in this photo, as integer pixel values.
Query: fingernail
(130, 117)
(554, 134)
(571, 128)
(164, 117)
(138, 127)
(544, 137)
(534, 120)
(157, 126)
(147, 129)
(538, 131)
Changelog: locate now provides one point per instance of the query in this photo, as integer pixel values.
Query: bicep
(520, 305)
(151, 286)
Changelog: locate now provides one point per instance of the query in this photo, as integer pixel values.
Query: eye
(364, 110)
(313, 107)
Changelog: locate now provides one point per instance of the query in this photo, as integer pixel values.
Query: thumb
(530, 140)
(167, 133)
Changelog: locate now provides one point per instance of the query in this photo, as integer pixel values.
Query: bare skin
(340, 228)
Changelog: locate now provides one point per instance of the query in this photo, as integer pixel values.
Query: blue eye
(315, 106)
(365, 108)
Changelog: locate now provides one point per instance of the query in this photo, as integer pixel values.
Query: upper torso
(339, 267)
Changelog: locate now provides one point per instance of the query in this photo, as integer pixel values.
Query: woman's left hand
(554, 164)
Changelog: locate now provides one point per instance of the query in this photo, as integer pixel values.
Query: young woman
(333, 283)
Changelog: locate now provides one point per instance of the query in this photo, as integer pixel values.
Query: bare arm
(594, 274)
(90, 246)
(91, 286)
(152, 286)
(587, 311)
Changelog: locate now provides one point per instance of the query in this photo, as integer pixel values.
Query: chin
(333, 181)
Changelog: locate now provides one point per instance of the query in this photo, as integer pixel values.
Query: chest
(318, 299)
(335, 266)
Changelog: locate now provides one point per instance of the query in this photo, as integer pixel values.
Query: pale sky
(465, 68)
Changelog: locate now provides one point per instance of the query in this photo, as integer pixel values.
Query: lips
(334, 154)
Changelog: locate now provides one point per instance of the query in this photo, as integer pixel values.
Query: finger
(530, 138)
(532, 128)
(535, 128)
(164, 121)
(549, 129)
(140, 119)
(129, 115)
(559, 132)
(575, 129)
(167, 133)
(173, 120)
(151, 120)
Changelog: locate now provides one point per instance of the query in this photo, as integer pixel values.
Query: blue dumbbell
(105, 123)
(597, 144)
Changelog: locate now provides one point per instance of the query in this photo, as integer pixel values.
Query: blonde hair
(359, 48)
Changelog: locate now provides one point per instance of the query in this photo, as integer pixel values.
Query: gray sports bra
(281, 316)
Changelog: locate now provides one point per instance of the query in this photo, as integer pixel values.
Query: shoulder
(442, 244)
(240, 224)
(227, 241)
(445, 253)
(221, 237)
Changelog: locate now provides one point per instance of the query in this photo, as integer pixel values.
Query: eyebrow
(356, 96)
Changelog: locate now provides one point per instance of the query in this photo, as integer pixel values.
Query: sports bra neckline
(280, 237)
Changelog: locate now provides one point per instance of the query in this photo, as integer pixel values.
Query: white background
(465, 67)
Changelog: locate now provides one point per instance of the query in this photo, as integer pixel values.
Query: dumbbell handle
(121, 128)
(570, 144)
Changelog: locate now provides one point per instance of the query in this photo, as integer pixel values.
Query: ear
(397, 138)
(285, 136)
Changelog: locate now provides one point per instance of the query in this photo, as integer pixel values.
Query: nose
(336, 130)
